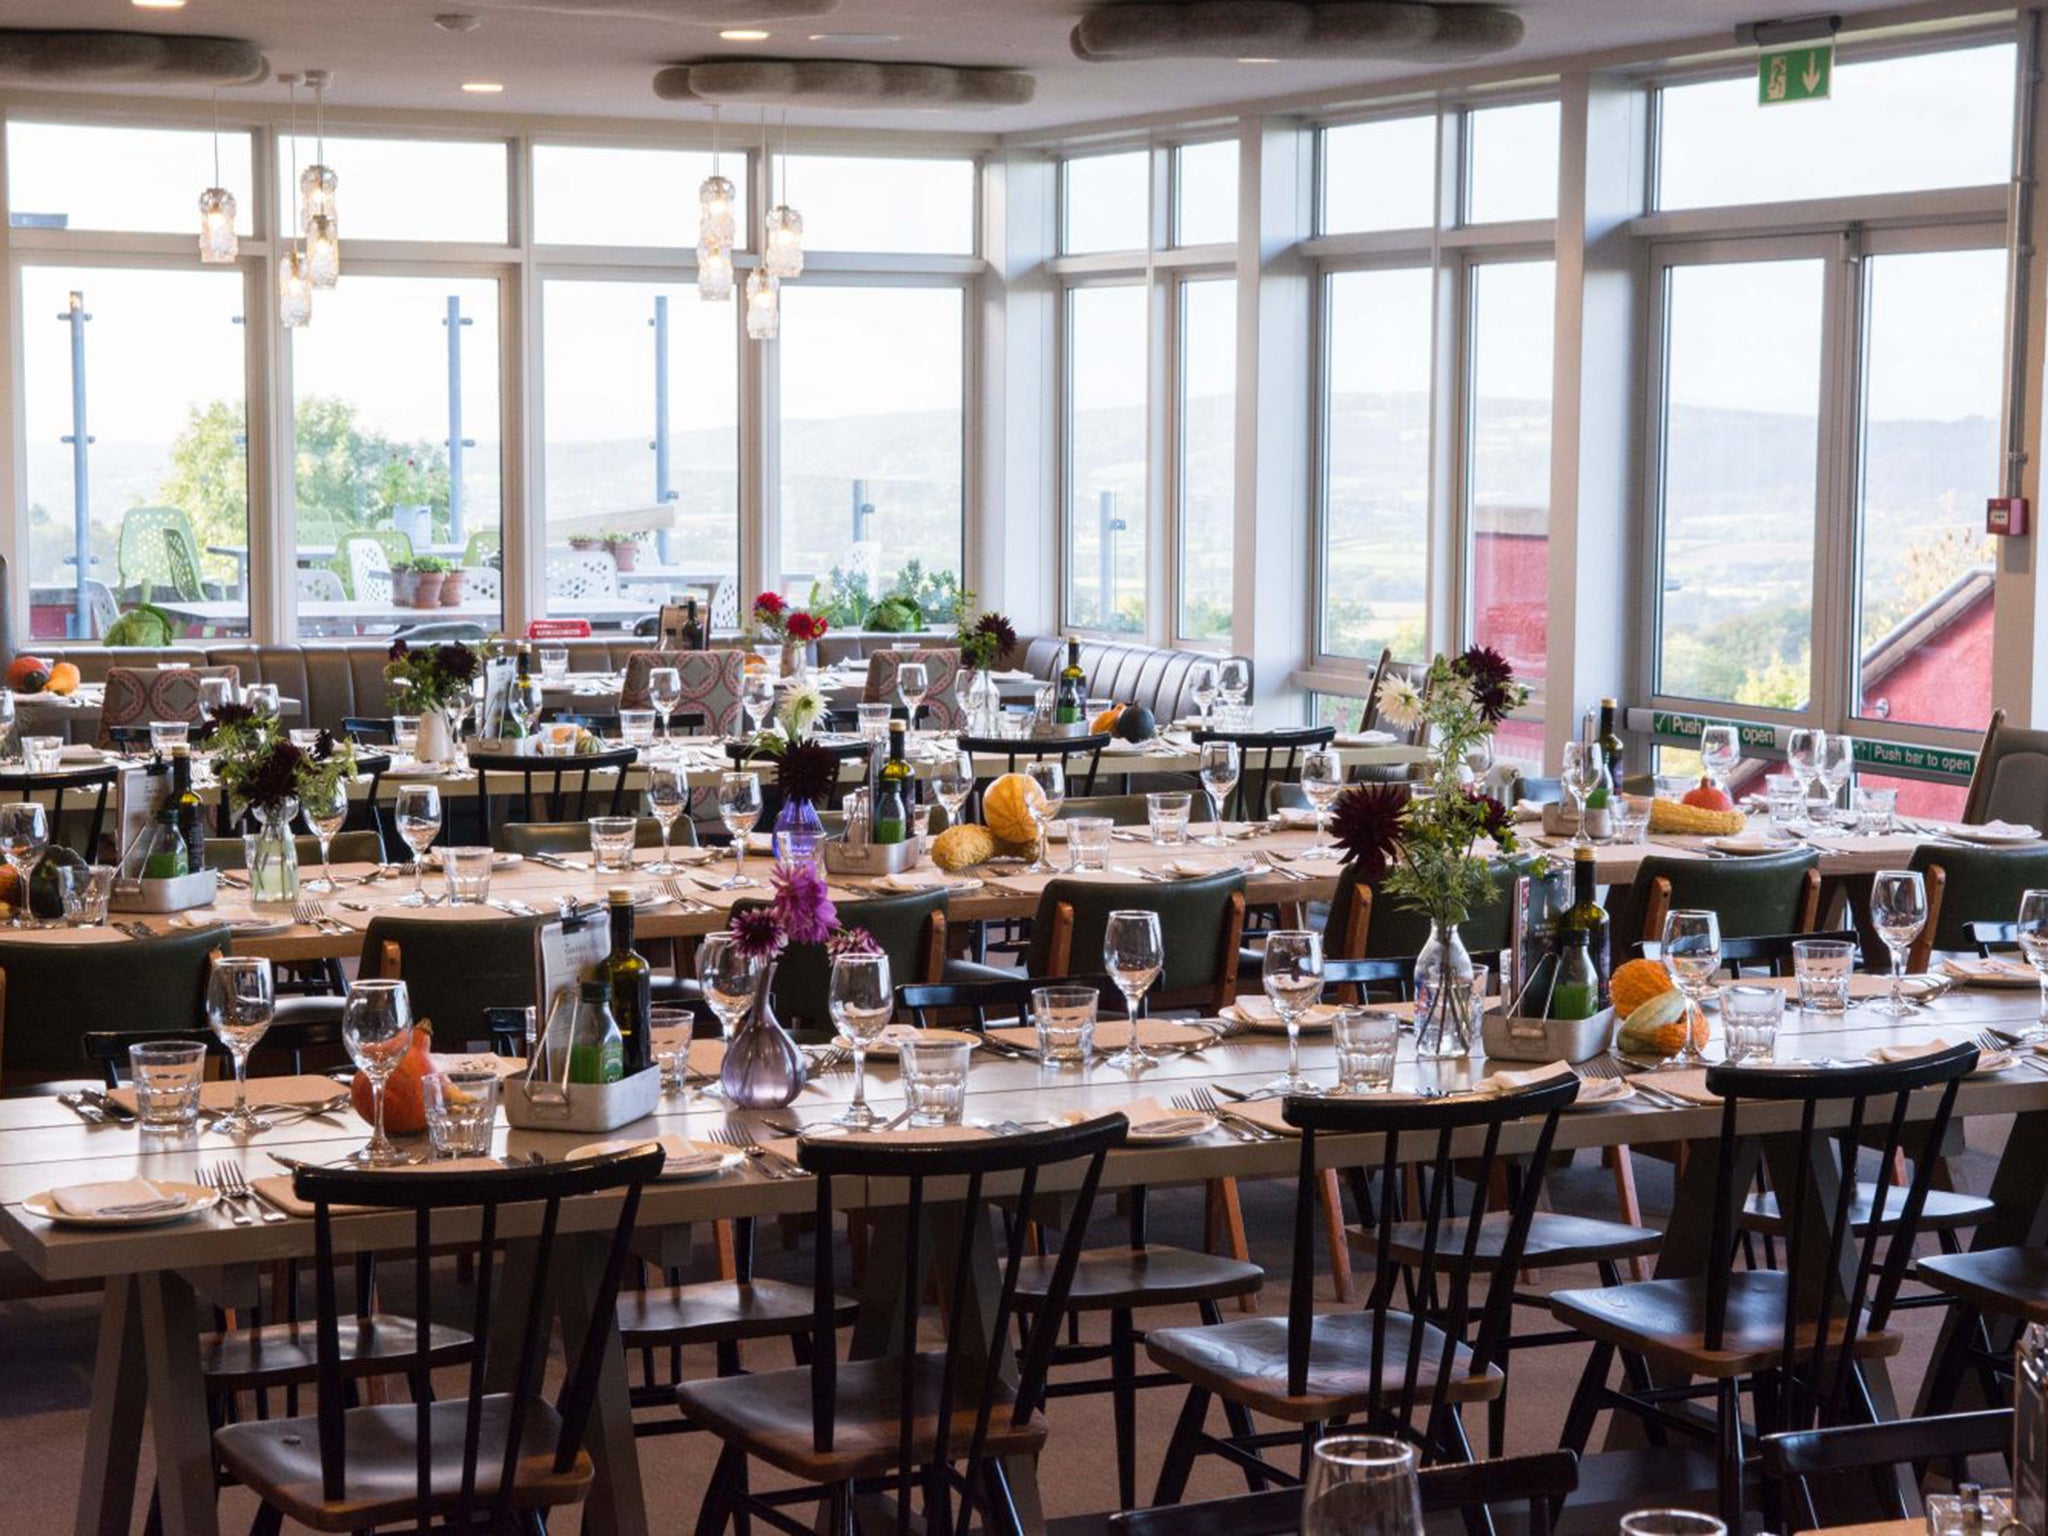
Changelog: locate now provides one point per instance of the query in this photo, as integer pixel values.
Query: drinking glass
(668, 796)
(873, 718)
(1786, 800)
(214, 692)
(466, 874)
(862, 1004)
(24, 838)
(1692, 955)
(1821, 968)
(1234, 680)
(739, 807)
(1898, 910)
(1065, 1020)
(1322, 781)
(2031, 929)
(239, 1001)
(952, 781)
(325, 815)
(1051, 778)
(1219, 769)
(554, 662)
(728, 978)
(611, 843)
(164, 735)
(6, 721)
(1202, 688)
(971, 691)
(1750, 1017)
(1134, 953)
(1720, 751)
(757, 698)
(462, 1110)
(166, 1077)
(376, 1026)
(405, 734)
(1366, 1041)
(1361, 1485)
(913, 684)
(665, 692)
(1803, 749)
(935, 1080)
(262, 699)
(1166, 814)
(85, 890)
(1585, 770)
(418, 810)
(636, 727)
(1837, 763)
(1293, 974)
(1670, 1522)
(1088, 842)
(1877, 811)
(42, 754)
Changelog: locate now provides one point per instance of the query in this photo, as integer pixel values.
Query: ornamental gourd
(1006, 807)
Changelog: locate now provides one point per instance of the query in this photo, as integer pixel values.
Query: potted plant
(430, 682)
(585, 542)
(428, 572)
(624, 548)
(404, 580)
(258, 766)
(451, 586)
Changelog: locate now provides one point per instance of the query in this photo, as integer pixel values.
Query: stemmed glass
(263, 699)
(214, 692)
(419, 819)
(525, 702)
(2032, 932)
(1361, 1485)
(1720, 751)
(24, 838)
(1322, 781)
(1050, 775)
(1202, 688)
(1692, 954)
(757, 698)
(1234, 681)
(1837, 761)
(739, 807)
(10, 747)
(240, 999)
(1293, 974)
(728, 977)
(376, 1026)
(1585, 769)
(1803, 749)
(668, 796)
(1134, 954)
(1219, 768)
(952, 782)
(913, 685)
(1898, 910)
(326, 816)
(969, 690)
(664, 692)
(862, 1004)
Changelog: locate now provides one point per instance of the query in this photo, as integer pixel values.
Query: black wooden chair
(1876, 1454)
(90, 785)
(569, 790)
(1772, 952)
(1079, 756)
(1266, 759)
(2005, 1286)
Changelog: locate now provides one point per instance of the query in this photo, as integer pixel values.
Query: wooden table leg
(177, 1404)
(113, 1434)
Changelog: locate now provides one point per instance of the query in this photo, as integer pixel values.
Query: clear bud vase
(273, 854)
(763, 1068)
(1443, 995)
(798, 831)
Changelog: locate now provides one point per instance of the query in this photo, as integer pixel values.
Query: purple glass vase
(763, 1067)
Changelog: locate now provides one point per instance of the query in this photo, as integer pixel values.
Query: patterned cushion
(711, 684)
(137, 695)
(941, 668)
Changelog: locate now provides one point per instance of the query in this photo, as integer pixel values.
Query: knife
(107, 1106)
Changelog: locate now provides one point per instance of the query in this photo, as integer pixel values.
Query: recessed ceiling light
(1258, 61)
(159, 5)
(483, 87)
(856, 37)
(744, 35)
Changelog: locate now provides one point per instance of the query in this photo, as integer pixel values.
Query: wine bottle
(629, 981)
(1575, 993)
(892, 798)
(694, 638)
(1586, 918)
(1070, 702)
(165, 857)
(191, 811)
(514, 725)
(1612, 748)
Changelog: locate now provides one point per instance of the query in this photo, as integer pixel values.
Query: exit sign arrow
(1802, 72)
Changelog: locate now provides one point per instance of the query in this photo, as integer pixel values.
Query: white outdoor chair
(318, 584)
(582, 573)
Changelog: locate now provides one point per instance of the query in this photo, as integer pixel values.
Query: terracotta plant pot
(426, 591)
(452, 584)
(586, 543)
(624, 555)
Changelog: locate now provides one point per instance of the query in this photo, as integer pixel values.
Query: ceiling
(388, 53)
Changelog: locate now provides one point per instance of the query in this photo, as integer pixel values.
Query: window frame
(1176, 486)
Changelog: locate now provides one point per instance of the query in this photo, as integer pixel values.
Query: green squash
(45, 897)
(1136, 724)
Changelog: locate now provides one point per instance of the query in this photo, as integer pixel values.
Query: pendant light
(317, 209)
(714, 230)
(764, 288)
(294, 286)
(783, 247)
(218, 241)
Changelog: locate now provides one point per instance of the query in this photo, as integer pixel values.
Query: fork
(314, 915)
(741, 1140)
(1208, 1105)
(213, 1176)
(1231, 1128)
(235, 1185)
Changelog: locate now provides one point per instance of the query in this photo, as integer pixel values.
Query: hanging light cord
(216, 136)
(714, 138)
(767, 178)
(785, 156)
(295, 147)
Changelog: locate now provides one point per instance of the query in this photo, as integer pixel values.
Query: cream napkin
(1499, 1085)
(119, 1197)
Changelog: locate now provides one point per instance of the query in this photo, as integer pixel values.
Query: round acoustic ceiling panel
(1294, 29)
(126, 58)
(692, 12)
(841, 84)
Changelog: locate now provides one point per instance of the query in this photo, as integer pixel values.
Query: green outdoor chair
(911, 930)
(1771, 893)
(52, 995)
(1202, 921)
(159, 555)
(481, 550)
(1970, 885)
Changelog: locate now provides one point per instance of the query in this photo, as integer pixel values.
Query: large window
(164, 471)
(604, 195)
(1205, 193)
(1511, 170)
(904, 205)
(1106, 203)
(1376, 480)
(1508, 461)
(406, 189)
(1107, 347)
(870, 432)
(1208, 458)
(125, 180)
(642, 436)
(397, 453)
(1378, 175)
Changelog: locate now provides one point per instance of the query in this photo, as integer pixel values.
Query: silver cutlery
(107, 1106)
(358, 906)
(91, 1114)
(1207, 1104)
(1186, 1101)
(741, 1140)
(234, 1185)
(210, 1175)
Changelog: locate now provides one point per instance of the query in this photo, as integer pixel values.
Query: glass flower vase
(763, 1068)
(798, 831)
(436, 742)
(273, 854)
(1444, 1024)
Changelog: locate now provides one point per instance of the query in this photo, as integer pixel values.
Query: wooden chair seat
(1554, 1241)
(2006, 1282)
(1946, 1210)
(769, 1415)
(1108, 1279)
(718, 1312)
(287, 1354)
(1666, 1321)
(1245, 1362)
(280, 1460)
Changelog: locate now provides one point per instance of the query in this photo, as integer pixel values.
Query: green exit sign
(1803, 72)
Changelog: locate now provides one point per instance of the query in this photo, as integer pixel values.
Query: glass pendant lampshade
(317, 187)
(764, 307)
(217, 239)
(714, 212)
(714, 274)
(323, 252)
(294, 290)
(784, 256)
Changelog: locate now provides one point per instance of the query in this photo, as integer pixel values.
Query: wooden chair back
(1072, 915)
(562, 802)
(1070, 751)
(1881, 1452)
(1265, 759)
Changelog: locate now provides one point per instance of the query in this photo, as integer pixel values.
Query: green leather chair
(1968, 885)
(1391, 931)
(911, 929)
(455, 970)
(1770, 893)
(1202, 920)
(1124, 810)
(572, 838)
(2011, 779)
(53, 995)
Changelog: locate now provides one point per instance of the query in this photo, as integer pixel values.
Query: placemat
(295, 1092)
(277, 1188)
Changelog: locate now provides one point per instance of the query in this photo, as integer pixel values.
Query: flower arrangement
(431, 677)
(801, 708)
(987, 642)
(771, 616)
(804, 627)
(804, 771)
(799, 912)
(258, 764)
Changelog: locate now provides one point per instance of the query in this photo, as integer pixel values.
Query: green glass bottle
(1586, 919)
(1612, 748)
(1070, 703)
(892, 794)
(629, 982)
(166, 858)
(596, 1052)
(1575, 991)
(191, 810)
(522, 684)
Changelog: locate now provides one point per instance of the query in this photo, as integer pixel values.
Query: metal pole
(663, 493)
(81, 473)
(863, 510)
(456, 441)
(1111, 526)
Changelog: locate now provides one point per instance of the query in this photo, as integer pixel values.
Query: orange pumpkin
(1635, 982)
(405, 1100)
(1006, 808)
(63, 678)
(1105, 722)
(1706, 794)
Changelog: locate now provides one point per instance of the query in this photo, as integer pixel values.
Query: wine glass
(525, 702)
(913, 684)
(325, 815)
(1202, 688)
(1322, 781)
(1720, 751)
(1134, 953)
(2032, 932)
(1293, 975)
(1585, 770)
(1803, 749)
(728, 977)
(263, 699)
(862, 1005)
(1050, 775)
(214, 692)
(1234, 680)
(953, 781)
(240, 998)
(1898, 910)
(739, 807)
(10, 747)
(1361, 1485)
(376, 1026)
(668, 796)
(664, 692)
(1837, 762)
(969, 692)
(24, 838)
(1692, 955)
(1219, 765)
(419, 818)
(757, 698)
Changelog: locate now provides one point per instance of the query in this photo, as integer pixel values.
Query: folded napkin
(1987, 1061)
(1528, 810)
(912, 881)
(1688, 1083)
(81, 752)
(1147, 1117)
(2015, 830)
(1366, 738)
(1259, 1013)
(1752, 842)
(1991, 971)
(1602, 1090)
(683, 1156)
(1295, 816)
(117, 1197)
(1505, 1083)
